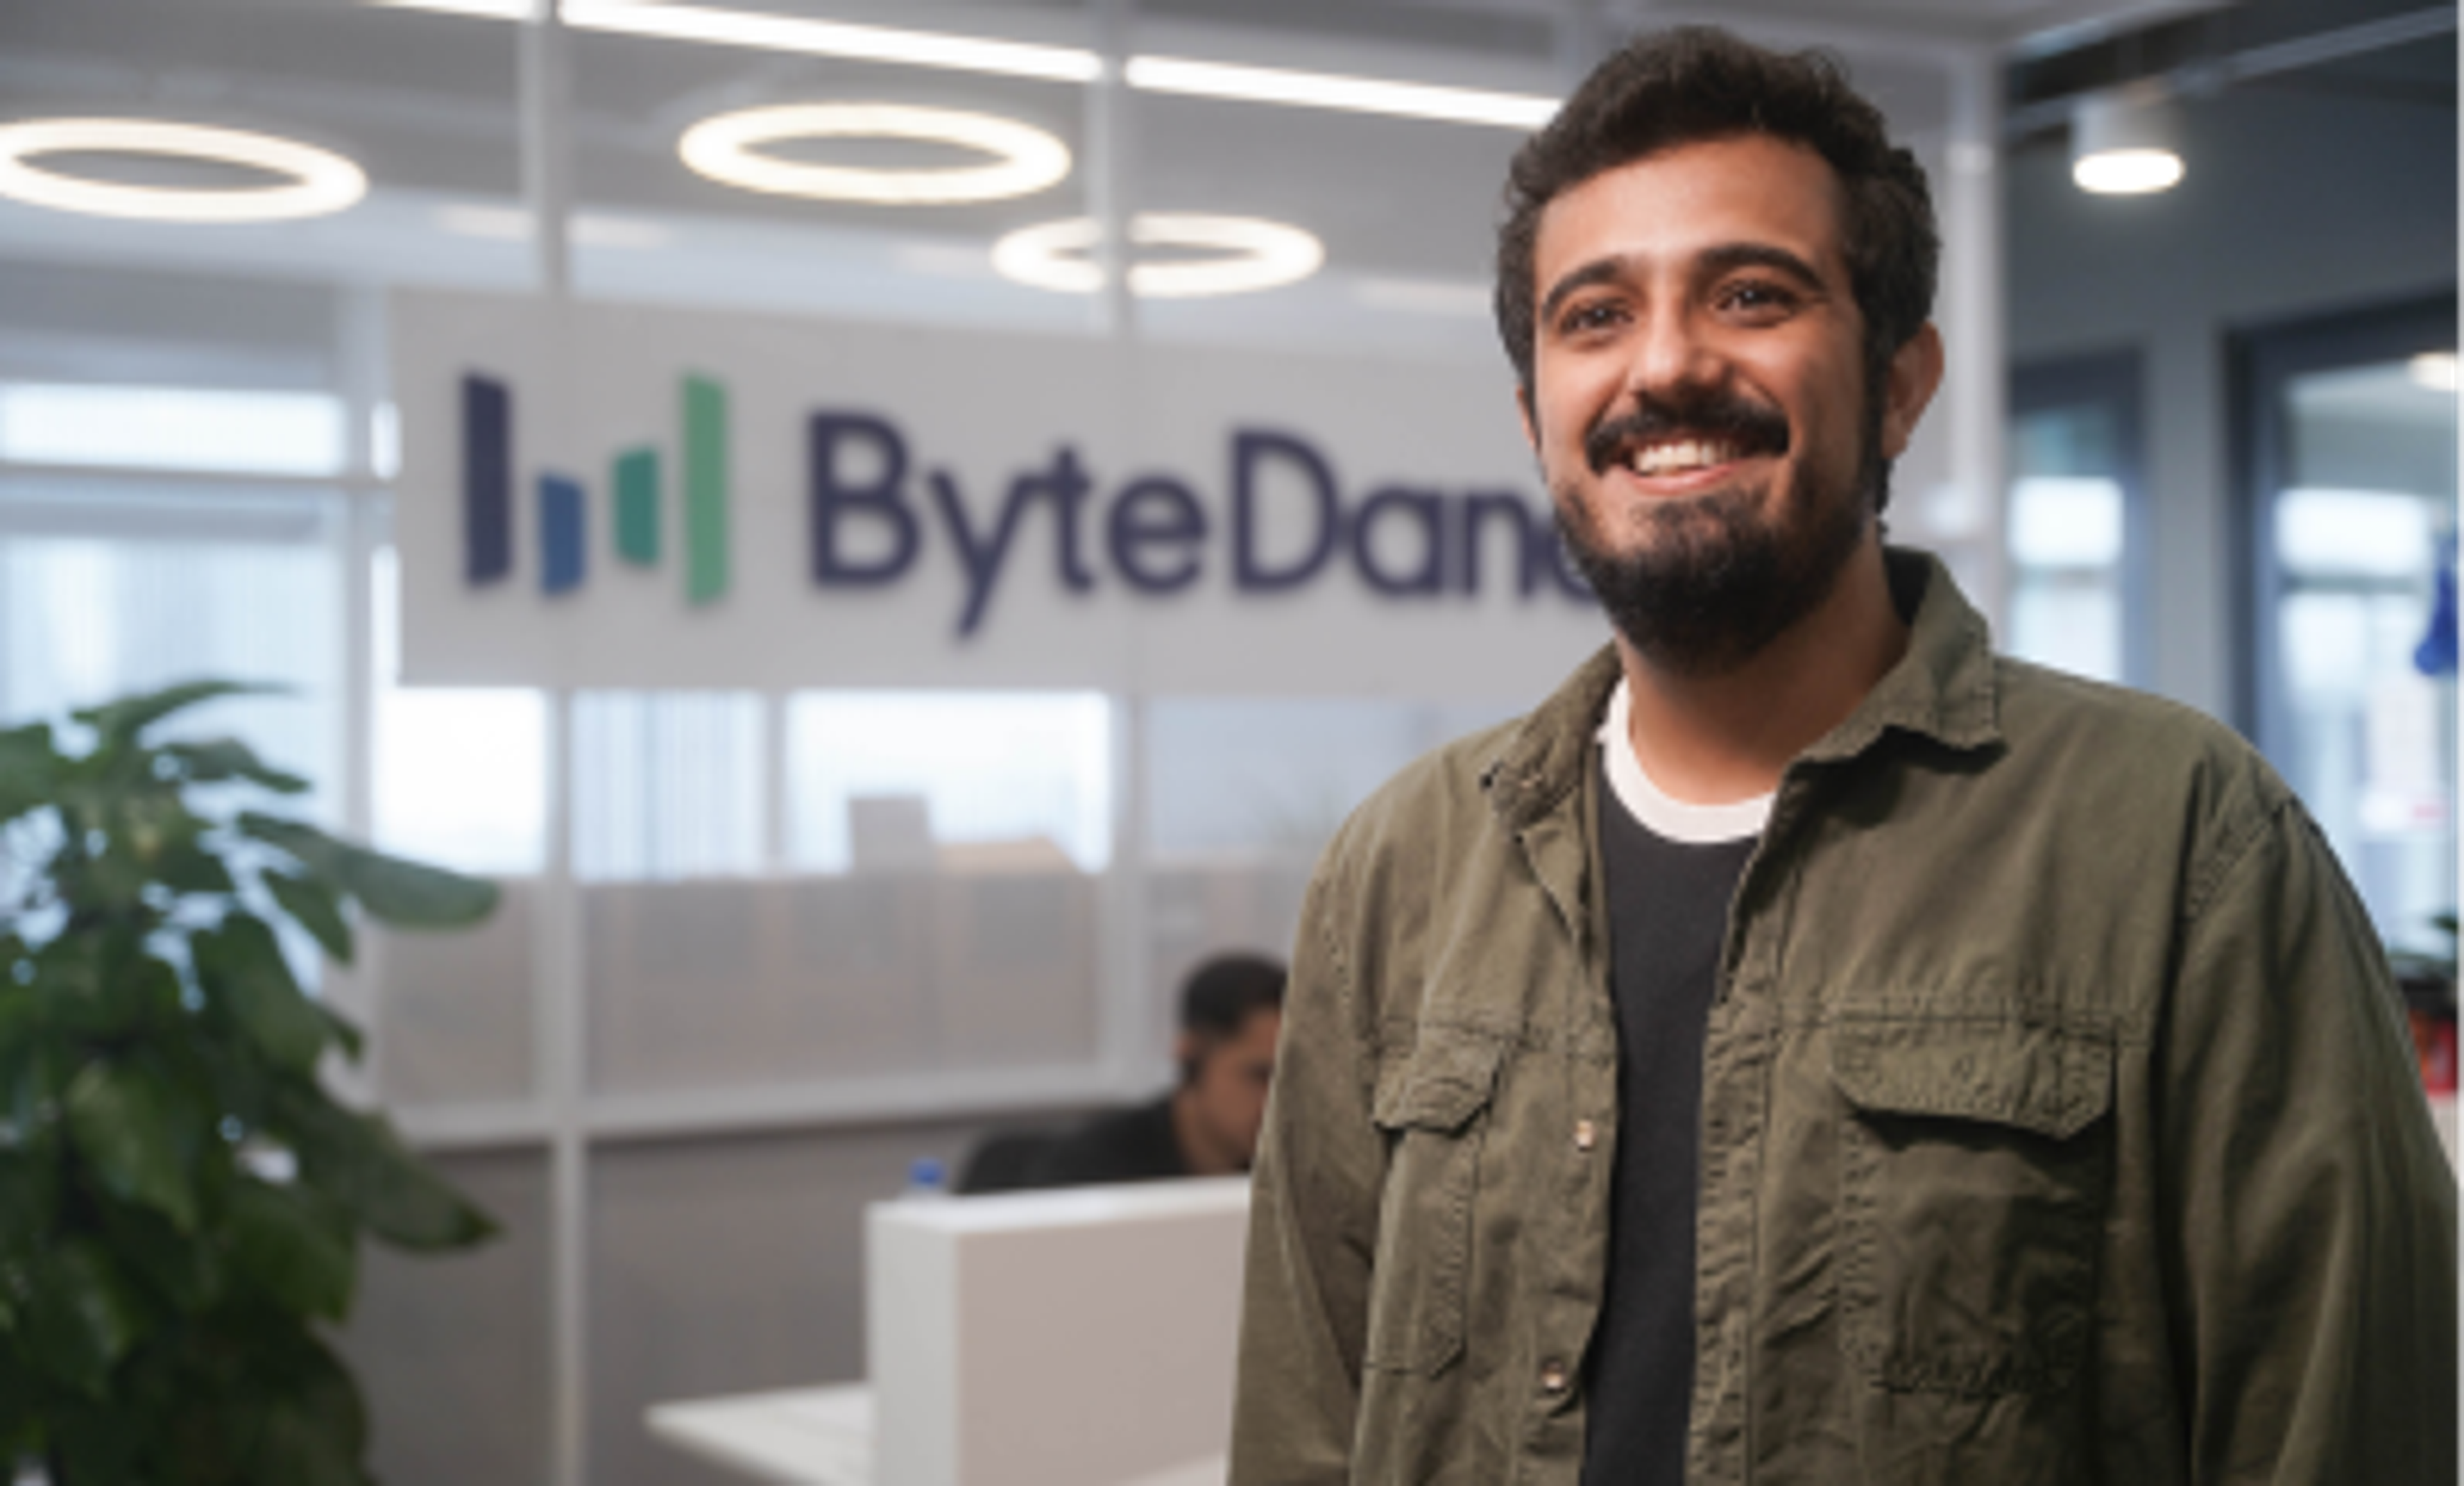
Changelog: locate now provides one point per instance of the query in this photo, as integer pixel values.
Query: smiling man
(1809, 1048)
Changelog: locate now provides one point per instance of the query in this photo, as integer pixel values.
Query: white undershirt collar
(1672, 819)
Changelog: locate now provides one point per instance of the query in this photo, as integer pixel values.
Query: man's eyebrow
(1711, 262)
(1599, 270)
(1727, 257)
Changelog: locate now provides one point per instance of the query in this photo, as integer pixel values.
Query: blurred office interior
(763, 945)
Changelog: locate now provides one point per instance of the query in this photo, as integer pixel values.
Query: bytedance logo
(635, 482)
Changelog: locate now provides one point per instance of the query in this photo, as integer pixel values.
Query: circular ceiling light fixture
(321, 182)
(2125, 144)
(1255, 254)
(1027, 159)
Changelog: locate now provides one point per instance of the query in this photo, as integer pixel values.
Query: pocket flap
(2054, 1081)
(1442, 1083)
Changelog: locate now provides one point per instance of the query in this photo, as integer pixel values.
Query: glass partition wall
(2077, 518)
(757, 949)
(2351, 428)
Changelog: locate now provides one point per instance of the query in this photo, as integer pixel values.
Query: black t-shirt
(1132, 1145)
(1668, 913)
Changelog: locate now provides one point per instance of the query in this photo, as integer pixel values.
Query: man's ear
(1915, 373)
(1522, 411)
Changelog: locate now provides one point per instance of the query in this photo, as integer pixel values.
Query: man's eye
(1756, 297)
(1594, 315)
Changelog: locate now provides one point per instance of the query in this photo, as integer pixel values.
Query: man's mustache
(1753, 428)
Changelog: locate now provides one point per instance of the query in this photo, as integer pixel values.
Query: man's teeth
(1686, 454)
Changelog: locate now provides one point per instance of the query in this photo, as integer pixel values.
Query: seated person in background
(1231, 1007)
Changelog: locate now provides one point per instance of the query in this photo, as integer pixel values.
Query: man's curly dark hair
(1699, 84)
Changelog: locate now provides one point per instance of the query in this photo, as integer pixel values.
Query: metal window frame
(2113, 380)
(2262, 361)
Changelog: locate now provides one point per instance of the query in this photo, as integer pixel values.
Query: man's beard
(1719, 579)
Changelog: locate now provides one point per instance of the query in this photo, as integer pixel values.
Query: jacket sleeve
(2311, 1206)
(1312, 1227)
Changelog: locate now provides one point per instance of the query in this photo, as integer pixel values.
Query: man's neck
(1712, 739)
(1200, 1150)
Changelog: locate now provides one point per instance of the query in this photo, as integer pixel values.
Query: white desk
(1073, 1337)
(1083, 1337)
(815, 1436)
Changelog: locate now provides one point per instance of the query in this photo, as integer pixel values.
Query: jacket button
(1586, 1135)
(1552, 1377)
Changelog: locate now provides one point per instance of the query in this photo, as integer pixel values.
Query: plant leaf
(21, 1025)
(91, 1440)
(298, 1448)
(185, 868)
(73, 985)
(175, 1267)
(315, 1426)
(127, 1125)
(119, 722)
(294, 1244)
(414, 895)
(344, 1031)
(312, 848)
(83, 1319)
(37, 1076)
(102, 982)
(362, 1163)
(18, 1421)
(398, 891)
(28, 767)
(29, 1202)
(313, 907)
(101, 866)
(218, 759)
(242, 968)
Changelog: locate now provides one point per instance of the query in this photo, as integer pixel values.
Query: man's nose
(1670, 351)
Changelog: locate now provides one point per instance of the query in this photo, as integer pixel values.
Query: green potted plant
(181, 1198)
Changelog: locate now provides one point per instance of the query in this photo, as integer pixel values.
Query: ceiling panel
(422, 102)
(430, 106)
(635, 97)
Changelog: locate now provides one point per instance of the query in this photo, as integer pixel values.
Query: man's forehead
(1696, 195)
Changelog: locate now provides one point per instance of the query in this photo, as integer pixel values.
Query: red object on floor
(2433, 1042)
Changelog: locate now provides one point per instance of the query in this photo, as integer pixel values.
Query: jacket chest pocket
(1432, 1107)
(1975, 1163)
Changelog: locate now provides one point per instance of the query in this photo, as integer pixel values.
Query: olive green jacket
(2059, 1124)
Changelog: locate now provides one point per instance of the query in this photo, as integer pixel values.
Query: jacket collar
(1543, 760)
(1943, 687)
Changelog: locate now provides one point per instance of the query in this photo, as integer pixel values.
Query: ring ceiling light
(321, 182)
(722, 148)
(1259, 254)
